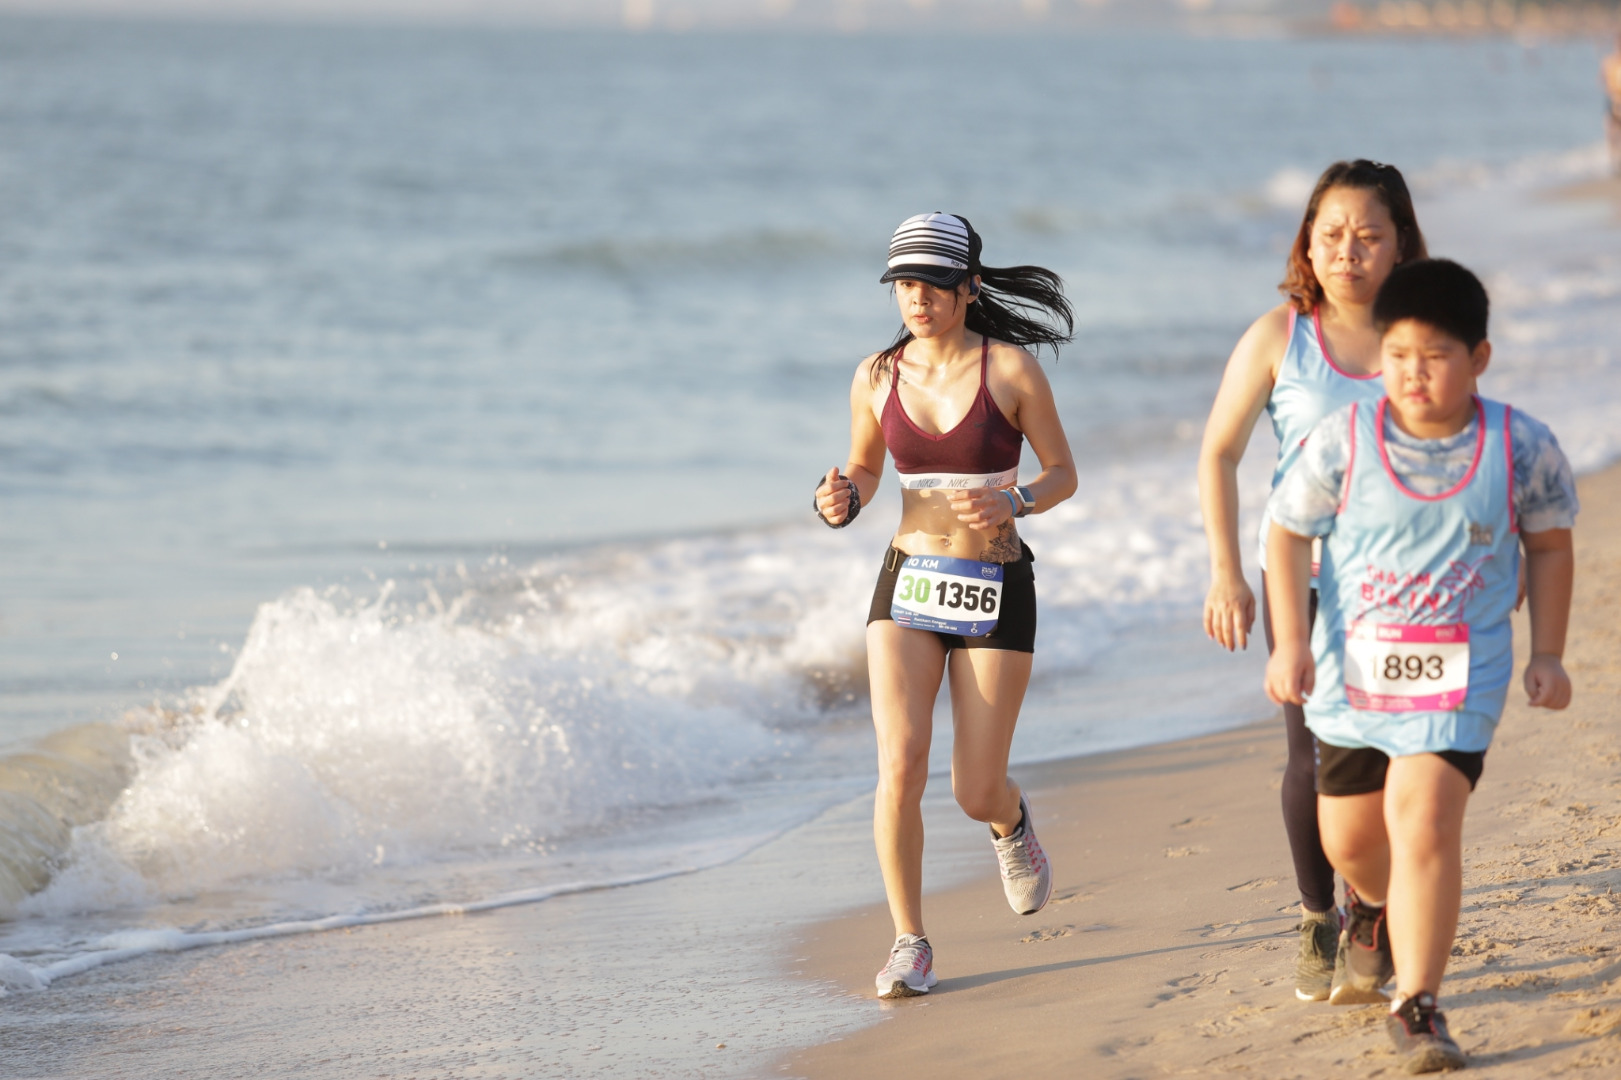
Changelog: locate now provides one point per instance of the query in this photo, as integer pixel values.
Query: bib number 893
(1413, 667)
(1406, 668)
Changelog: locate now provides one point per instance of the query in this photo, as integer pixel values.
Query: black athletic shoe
(1363, 964)
(1419, 1030)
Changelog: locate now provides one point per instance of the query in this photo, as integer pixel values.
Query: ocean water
(405, 435)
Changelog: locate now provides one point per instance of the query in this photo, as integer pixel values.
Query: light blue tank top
(1397, 558)
(1309, 387)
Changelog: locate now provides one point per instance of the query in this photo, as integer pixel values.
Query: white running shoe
(910, 970)
(1027, 877)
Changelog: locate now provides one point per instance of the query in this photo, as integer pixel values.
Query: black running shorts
(1358, 770)
(1015, 624)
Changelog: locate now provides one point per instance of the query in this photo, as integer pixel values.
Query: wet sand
(1168, 949)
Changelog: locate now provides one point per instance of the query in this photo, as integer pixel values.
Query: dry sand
(1168, 949)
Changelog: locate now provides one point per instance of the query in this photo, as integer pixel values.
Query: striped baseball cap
(940, 249)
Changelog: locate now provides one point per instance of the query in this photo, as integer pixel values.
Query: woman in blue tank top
(1310, 355)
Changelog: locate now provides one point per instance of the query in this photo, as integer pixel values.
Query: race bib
(1406, 668)
(951, 596)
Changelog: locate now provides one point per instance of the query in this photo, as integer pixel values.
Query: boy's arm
(1549, 580)
(1290, 671)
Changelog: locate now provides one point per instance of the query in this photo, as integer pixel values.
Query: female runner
(951, 400)
(1300, 361)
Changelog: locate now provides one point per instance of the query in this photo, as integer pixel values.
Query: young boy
(1423, 500)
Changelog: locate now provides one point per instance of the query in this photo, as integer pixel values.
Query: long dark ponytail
(1021, 305)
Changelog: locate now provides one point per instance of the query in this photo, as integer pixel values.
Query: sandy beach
(1169, 945)
(1167, 950)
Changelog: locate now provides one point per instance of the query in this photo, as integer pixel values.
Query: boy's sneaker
(1314, 964)
(1419, 1030)
(910, 970)
(1363, 963)
(1027, 879)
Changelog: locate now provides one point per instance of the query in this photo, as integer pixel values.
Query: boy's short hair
(1437, 292)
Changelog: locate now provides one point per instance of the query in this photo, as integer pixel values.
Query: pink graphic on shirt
(1400, 595)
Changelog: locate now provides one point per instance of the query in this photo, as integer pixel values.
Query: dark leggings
(1313, 874)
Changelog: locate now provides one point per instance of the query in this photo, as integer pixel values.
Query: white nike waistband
(956, 481)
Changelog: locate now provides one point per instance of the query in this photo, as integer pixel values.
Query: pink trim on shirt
(1384, 457)
(1508, 461)
(1322, 343)
(1345, 484)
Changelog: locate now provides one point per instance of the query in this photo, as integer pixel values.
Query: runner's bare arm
(866, 463)
(1252, 370)
(1549, 581)
(1017, 375)
(1037, 417)
(1291, 673)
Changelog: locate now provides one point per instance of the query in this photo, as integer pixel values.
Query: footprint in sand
(1253, 884)
(1594, 906)
(1046, 933)
(1184, 852)
(1526, 981)
(1222, 929)
(1595, 1022)
(1188, 985)
(1231, 1022)
(1053, 933)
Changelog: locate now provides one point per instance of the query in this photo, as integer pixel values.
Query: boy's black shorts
(1357, 770)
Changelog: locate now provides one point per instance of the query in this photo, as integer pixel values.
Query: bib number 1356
(950, 596)
(1406, 668)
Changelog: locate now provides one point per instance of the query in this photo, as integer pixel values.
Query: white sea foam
(1289, 188)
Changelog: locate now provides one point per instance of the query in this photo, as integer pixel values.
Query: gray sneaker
(1423, 1044)
(1027, 878)
(910, 970)
(1363, 964)
(1314, 964)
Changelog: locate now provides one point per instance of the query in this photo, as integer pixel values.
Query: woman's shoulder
(871, 367)
(1272, 330)
(1266, 340)
(1013, 363)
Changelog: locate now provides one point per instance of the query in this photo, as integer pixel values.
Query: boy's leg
(1424, 800)
(1354, 838)
(1351, 809)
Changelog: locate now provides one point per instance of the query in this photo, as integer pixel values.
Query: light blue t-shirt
(1307, 497)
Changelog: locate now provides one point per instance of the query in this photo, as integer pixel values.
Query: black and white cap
(940, 249)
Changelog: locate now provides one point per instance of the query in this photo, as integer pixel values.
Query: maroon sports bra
(982, 443)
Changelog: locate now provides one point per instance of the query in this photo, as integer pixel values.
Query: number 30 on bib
(949, 596)
(1396, 668)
